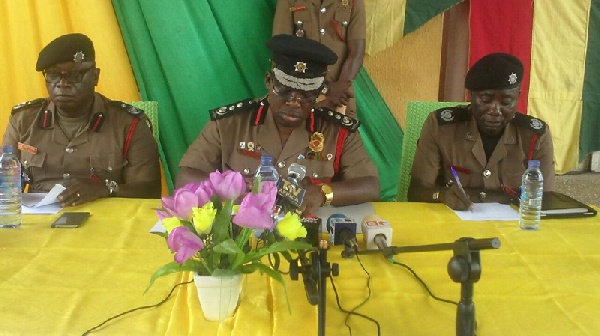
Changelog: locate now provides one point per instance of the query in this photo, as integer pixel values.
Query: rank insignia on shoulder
(134, 111)
(450, 115)
(339, 119)
(22, 105)
(228, 110)
(527, 121)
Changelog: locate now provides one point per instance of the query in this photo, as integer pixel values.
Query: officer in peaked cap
(488, 143)
(288, 126)
(94, 146)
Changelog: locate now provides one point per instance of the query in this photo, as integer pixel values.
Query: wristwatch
(328, 193)
(113, 187)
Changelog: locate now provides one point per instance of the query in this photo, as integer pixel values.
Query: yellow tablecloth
(65, 281)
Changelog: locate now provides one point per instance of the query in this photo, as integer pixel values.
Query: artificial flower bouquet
(208, 239)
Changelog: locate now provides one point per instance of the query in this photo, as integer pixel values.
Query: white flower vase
(218, 295)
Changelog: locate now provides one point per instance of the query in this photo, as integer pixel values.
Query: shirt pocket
(33, 165)
(319, 169)
(107, 166)
(341, 21)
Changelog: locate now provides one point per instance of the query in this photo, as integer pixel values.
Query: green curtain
(192, 56)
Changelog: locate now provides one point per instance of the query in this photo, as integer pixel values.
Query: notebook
(559, 205)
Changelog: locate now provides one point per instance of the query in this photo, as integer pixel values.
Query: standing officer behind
(94, 146)
(341, 26)
(487, 142)
(286, 125)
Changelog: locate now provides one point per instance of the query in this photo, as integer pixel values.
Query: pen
(458, 183)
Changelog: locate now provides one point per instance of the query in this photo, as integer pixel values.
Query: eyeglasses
(286, 95)
(72, 77)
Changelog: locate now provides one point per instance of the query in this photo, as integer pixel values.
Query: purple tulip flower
(184, 243)
(228, 185)
(255, 210)
(184, 199)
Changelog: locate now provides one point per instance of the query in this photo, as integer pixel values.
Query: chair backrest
(151, 110)
(416, 113)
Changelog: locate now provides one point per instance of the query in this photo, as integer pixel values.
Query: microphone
(377, 233)
(341, 229)
(289, 189)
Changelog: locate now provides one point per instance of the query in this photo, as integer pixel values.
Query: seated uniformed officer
(286, 125)
(487, 142)
(92, 145)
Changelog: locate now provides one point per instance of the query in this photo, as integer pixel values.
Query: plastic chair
(151, 110)
(416, 113)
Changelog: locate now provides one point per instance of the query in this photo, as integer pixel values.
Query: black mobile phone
(70, 220)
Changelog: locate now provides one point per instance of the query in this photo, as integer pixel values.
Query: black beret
(300, 57)
(66, 48)
(495, 71)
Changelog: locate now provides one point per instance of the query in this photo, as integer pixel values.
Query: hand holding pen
(456, 197)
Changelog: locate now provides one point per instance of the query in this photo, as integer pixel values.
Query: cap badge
(446, 115)
(316, 143)
(78, 57)
(512, 79)
(536, 124)
(300, 67)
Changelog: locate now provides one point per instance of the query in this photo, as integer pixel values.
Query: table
(65, 281)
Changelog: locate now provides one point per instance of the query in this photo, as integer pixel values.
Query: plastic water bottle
(532, 190)
(10, 189)
(267, 171)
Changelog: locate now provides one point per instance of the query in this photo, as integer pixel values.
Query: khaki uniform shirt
(333, 23)
(235, 142)
(48, 157)
(451, 137)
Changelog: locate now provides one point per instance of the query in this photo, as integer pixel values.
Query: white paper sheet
(489, 211)
(42, 203)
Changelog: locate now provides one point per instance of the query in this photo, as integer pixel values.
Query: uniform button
(323, 10)
(281, 164)
(482, 195)
(66, 175)
(315, 175)
(246, 171)
(345, 23)
(322, 31)
(487, 173)
(69, 150)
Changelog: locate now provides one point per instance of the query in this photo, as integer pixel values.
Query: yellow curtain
(385, 23)
(557, 72)
(26, 26)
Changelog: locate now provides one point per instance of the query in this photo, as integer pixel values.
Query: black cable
(337, 300)
(365, 300)
(422, 282)
(138, 308)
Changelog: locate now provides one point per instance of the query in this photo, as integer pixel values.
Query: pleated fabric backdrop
(559, 44)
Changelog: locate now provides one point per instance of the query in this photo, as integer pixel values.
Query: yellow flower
(203, 218)
(170, 223)
(290, 227)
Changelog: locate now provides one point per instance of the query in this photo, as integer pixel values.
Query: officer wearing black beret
(286, 125)
(94, 146)
(488, 143)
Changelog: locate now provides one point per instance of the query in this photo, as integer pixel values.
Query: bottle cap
(534, 164)
(7, 149)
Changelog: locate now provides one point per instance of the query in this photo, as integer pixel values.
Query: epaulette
(134, 111)
(22, 105)
(534, 124)
(338, 118)
(452, 115)
(231, 109)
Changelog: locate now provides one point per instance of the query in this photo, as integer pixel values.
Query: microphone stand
(320, 270)
(463, 267)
